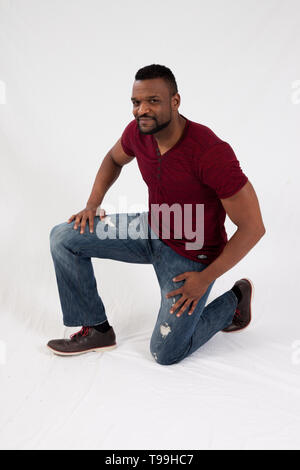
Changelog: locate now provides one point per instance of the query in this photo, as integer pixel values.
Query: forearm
(106, 176)
(242, 241)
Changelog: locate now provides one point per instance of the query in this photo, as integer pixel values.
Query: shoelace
(237, 317)
(237, 313)
(83, 332)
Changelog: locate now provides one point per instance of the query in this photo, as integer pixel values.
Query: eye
(136, 103)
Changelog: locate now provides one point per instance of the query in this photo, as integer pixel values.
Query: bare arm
(107, 174)
(244, 211)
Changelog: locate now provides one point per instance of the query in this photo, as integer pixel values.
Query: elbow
(263, 230)
(254, 231)
(260, 231)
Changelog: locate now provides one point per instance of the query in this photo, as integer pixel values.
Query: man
(185, 166)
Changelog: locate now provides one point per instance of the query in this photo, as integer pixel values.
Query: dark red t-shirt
(199, 169)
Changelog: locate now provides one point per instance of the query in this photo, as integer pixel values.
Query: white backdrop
(66, 74)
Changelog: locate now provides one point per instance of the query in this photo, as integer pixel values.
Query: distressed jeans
(129, 238)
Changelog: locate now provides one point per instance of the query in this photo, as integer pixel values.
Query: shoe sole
(251, 298)
(60, 353)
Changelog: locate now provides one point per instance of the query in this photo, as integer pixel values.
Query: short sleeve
(127, 139)
(220, 169)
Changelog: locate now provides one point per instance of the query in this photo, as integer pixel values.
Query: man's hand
(192, 290)
(86, 214)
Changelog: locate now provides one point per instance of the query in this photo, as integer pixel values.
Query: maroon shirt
(199, 169)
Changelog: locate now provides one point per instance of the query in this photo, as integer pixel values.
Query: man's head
(155, 96)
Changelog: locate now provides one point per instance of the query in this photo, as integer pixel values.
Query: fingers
(83, 223)
(194, 305)
(172, 293)
(178, 304)
(82, 217)
(71, 218)
(77, 221)
(185, 304)
(181, 277)
(91, 223)
(102, 214)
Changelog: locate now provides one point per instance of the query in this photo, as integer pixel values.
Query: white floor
(239, 391)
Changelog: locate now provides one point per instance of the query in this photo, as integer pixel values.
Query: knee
(57, 235)
(162, 356)
(162, 345)
(163, 360)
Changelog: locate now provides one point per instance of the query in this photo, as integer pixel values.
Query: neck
(171, 134)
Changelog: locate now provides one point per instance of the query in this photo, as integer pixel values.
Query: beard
(155, 129)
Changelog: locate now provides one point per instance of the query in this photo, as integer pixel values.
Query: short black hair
(158, 71)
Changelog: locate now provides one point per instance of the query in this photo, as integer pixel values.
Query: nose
(143, 110)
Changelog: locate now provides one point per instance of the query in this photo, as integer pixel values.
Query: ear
(176, 100)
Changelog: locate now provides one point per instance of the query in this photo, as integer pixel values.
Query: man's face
(153, 107)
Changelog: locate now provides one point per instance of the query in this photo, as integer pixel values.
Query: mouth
(145, 120)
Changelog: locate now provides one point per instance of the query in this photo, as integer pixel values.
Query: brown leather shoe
(242, 316)
(86, 340)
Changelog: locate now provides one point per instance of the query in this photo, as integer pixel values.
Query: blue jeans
(173, 338)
